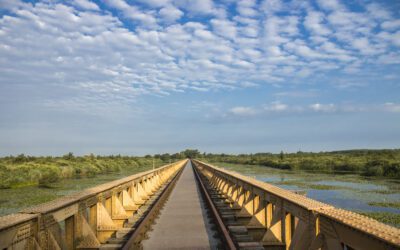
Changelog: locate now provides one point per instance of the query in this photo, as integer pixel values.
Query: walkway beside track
(183, 222)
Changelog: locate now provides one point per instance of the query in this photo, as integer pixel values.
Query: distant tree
(92, 156)
(392, 170)
(281, 155)
(165, 157)
(68, 156)
(20, 158)
(191, 153)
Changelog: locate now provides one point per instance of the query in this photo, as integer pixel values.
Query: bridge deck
(255, 215)
(182, 223)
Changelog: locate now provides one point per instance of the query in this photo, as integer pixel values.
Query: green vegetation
(382, 163)
(387, 218)
(383, 191)
(307, 185)
(24, 170)
(188, 153)
(385, 204)
(20, 171)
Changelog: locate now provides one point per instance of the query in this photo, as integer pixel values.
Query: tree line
(383, 163)
(23, 170)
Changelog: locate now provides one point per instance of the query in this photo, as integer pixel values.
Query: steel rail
(226, 237)
(148, 218)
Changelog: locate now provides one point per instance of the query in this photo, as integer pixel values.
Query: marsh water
(349, 191)
(14, 199)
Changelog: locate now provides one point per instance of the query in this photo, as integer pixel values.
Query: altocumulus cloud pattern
(276, 57)
(119, 49)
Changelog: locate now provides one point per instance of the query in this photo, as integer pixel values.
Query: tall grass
(381, 163)
(21, 170)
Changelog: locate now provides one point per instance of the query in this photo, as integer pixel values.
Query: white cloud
(86, 4)
(391, 25)
(330, 4)
(279, 108)
(377, 11)
(276, 107)
(250, 31)
(318, 107)
(391, 38)
(332, 48)
(243, 111)
(224, 28)
(314, 22)
(251, 53)
(246, 8)
(88, 57)
(390, 58)
(364, 46)
(13, 4)
(298, 94)
(392, 107)
(204, 34)
(170, 13)
(132, 12)
(300, 48)
(161, 52)
(197, 6)
(119, 4)
(278, 30)
(351, 21)
(156, 3)
(272, 6)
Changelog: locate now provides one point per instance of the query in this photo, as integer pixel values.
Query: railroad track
(212, 201)
(231, 233)
(135, 228)
(191, 206)
(149, 218)
(230, 226)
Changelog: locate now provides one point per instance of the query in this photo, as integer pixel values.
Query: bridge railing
(280, 218)
(83, 220)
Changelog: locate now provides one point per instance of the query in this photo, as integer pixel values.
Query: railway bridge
(190, 204)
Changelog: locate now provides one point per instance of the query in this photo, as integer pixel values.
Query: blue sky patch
(152, 76)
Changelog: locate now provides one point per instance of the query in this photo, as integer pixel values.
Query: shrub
(90, 170)
(4, 177)
(373, 171)
(67, 172)
(49, 174)
(392, 170)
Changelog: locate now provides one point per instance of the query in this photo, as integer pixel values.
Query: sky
(159, 76)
